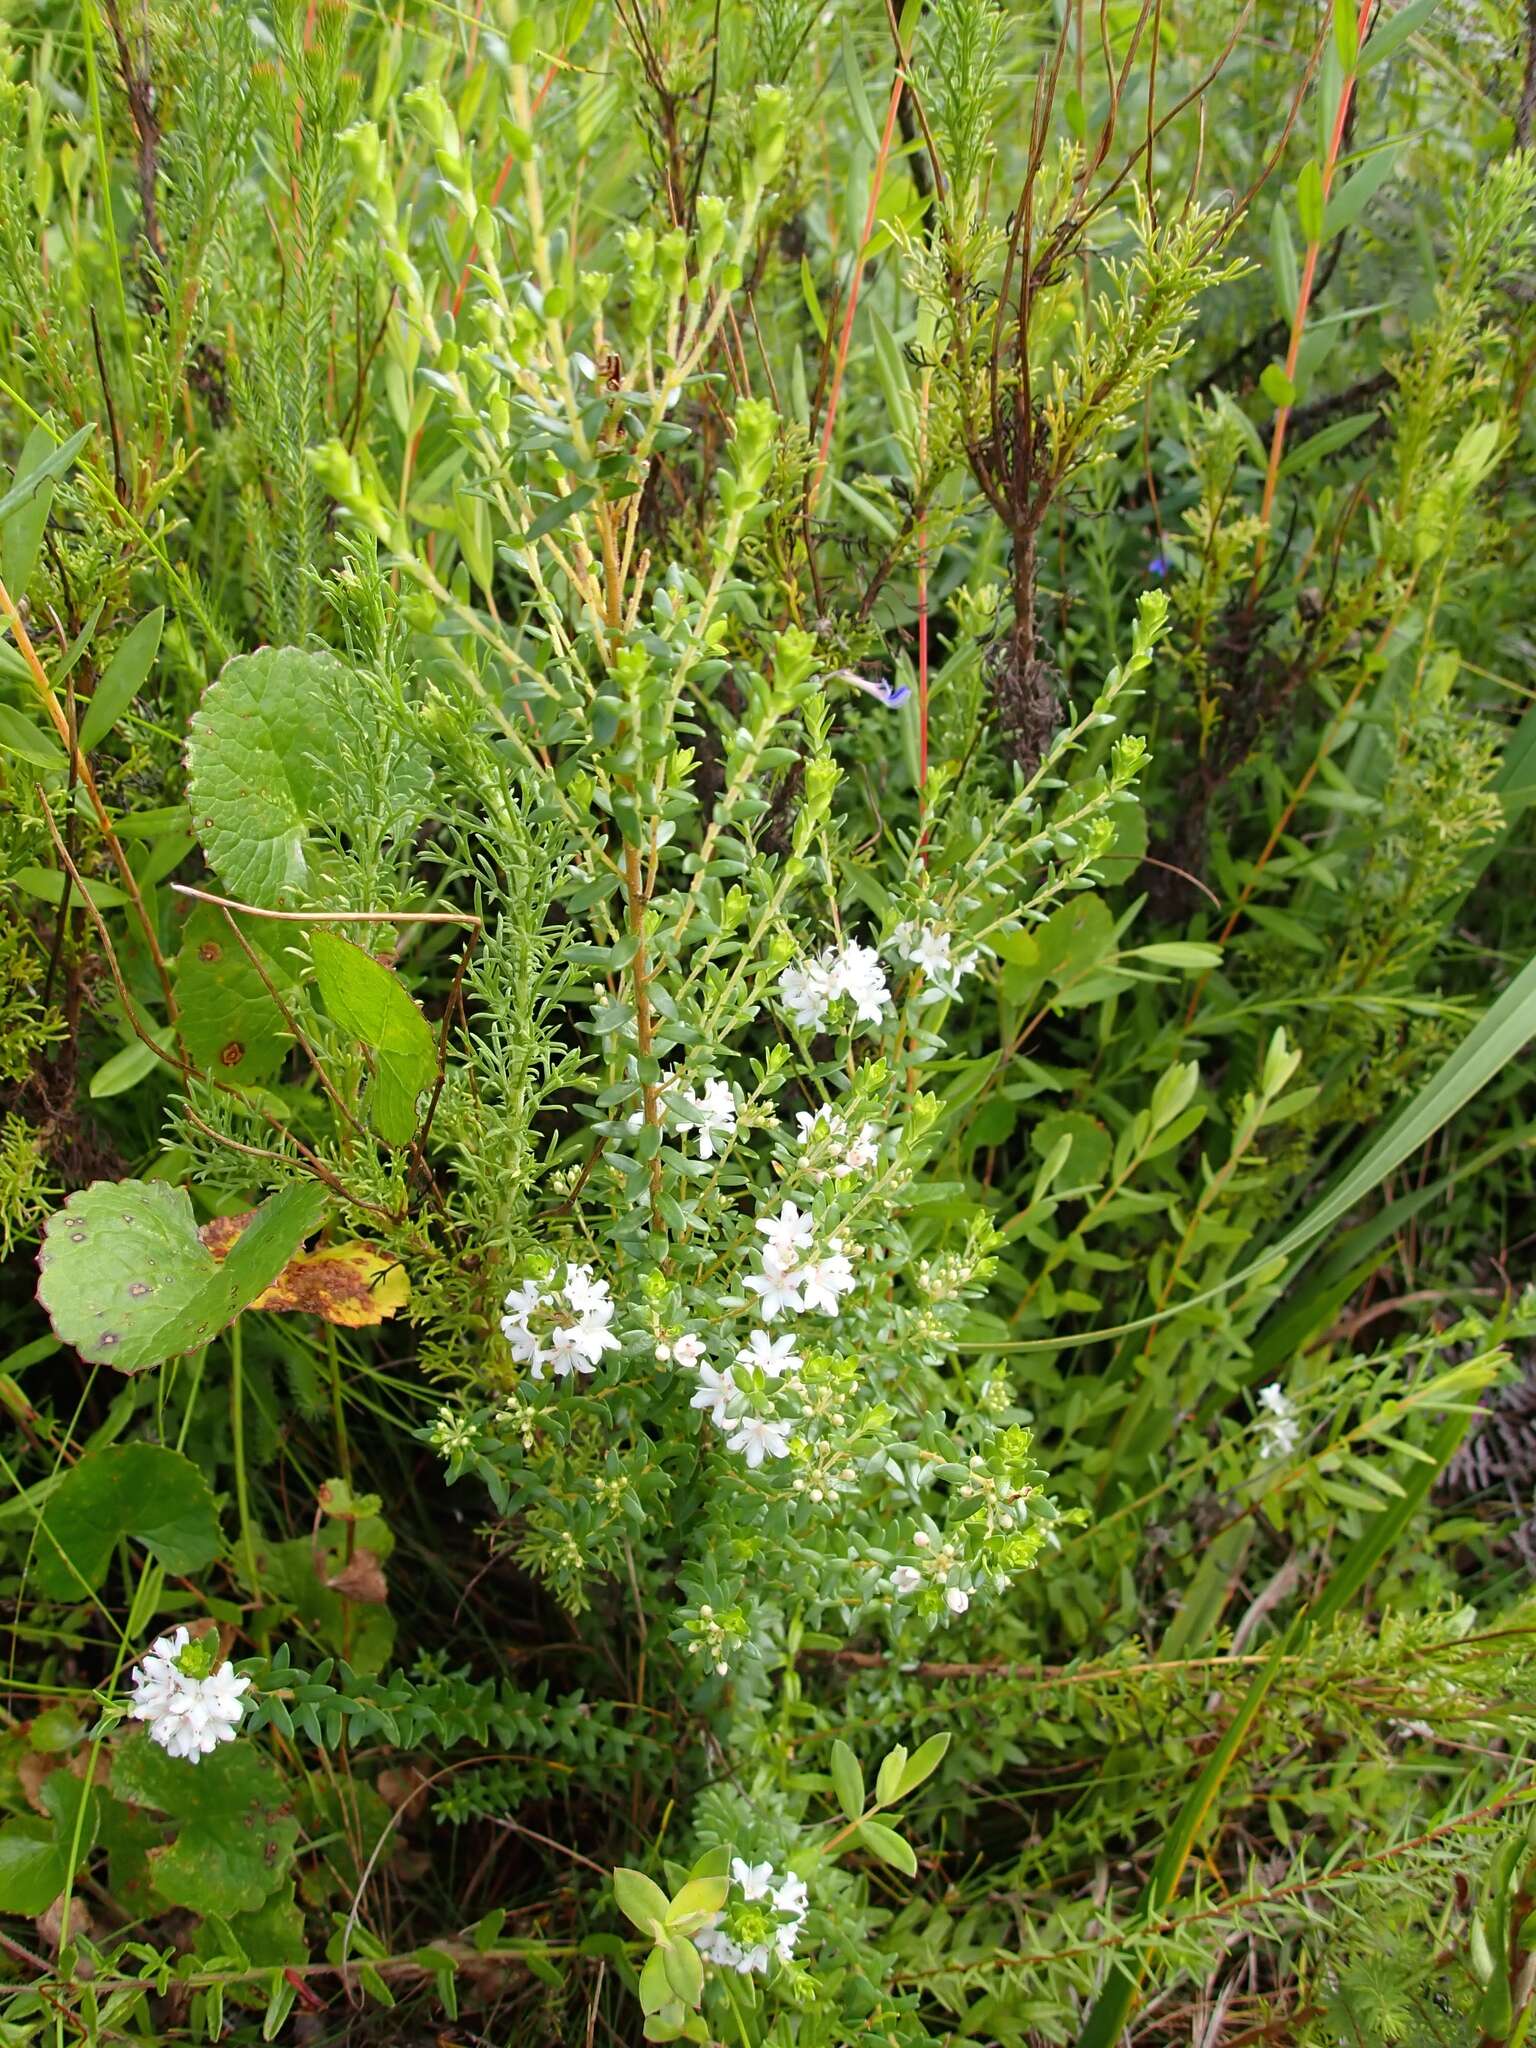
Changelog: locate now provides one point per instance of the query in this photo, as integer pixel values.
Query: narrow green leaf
(1346, 33)
(847, 1780)
(129, 1066)
(922, 1763)
(122, 679)
(1347, 201)
(1282, 263)
(857, 98)
(556, 514)
(22, 535)
(1326, 441)
(885, 1843)
(55, 463)
(1309, 201)
(47, 884)
(279, 2004)
(812, 299)
(888, 1777)
(1393, 30)
(35, 744)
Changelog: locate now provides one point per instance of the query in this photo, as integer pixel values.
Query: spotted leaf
(127, 1281)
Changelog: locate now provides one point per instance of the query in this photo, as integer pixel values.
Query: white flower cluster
(711, 1113)
(188, 1716)
(567, 1328)
(931, 949)
(756, 1437)
(834, 1147)
(773, 1929)
(1279, 1431)
(809, 989)
(907, 1579)
(947, 1569)
(792, 1282)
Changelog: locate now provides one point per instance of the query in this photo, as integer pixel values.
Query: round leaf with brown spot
(127, 1281)
(231, 1020)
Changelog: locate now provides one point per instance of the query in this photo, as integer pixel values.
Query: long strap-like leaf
(1112, 2007)
(1487, 1048)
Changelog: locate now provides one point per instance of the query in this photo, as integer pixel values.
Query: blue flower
(1158, 566)
(890, 694)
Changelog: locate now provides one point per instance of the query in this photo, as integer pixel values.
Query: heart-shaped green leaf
(371, 1003)
(231, 1840)
(35, 1853)
(127, 1281)
(145, 1491)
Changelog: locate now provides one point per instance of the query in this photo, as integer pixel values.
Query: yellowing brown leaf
(350, 1284)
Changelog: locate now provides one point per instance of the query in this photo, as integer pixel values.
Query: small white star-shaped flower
(759, 1437)
(770, 1355)
(777, 1286)
(754, 1878)
(717, 1390)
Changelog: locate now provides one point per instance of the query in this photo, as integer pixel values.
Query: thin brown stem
(66, 732)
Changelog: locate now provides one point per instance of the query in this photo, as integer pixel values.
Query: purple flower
(1158, 566)
(890, 694)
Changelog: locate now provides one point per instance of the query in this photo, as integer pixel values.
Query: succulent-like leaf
(692, 1906)
(685, 1969)
(885, 1843)
(640, 1899)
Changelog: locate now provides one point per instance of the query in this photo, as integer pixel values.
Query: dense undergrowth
(767, 951)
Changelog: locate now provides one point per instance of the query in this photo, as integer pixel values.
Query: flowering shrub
(764, 791)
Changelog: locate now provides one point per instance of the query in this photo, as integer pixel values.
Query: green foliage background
(523, 525)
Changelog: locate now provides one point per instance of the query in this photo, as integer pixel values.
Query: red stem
(854, 282)
(922, 664)
(1304, 294)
